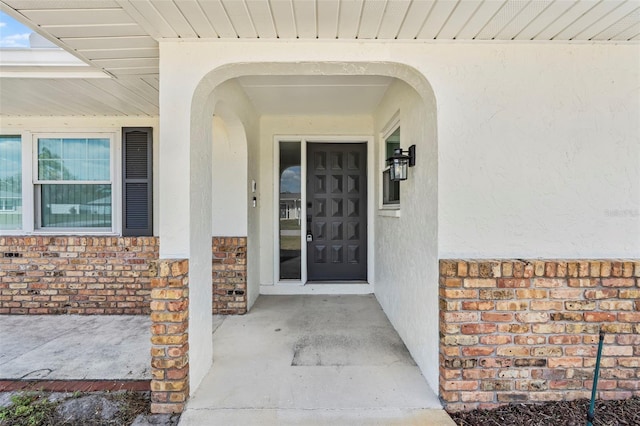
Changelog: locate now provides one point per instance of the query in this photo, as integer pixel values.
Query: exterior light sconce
(399, 162)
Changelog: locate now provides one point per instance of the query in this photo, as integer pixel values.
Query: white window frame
(114, 169)
(391, 210)
(30, 205)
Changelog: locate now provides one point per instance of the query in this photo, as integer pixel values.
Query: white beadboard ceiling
(121, 36)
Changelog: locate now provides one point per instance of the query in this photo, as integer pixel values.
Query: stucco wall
(538, 147)
(229, 180)
(406, 282)
(538, 143)
(235, 166)
(539, 151)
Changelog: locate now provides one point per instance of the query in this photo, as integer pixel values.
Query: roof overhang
(119, 38)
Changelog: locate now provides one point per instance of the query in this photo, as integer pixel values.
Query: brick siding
(229, 275)
(527, 331)
(170, 337)
(104, 275)
(76, 275)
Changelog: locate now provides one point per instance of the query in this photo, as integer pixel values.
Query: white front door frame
(302, 287)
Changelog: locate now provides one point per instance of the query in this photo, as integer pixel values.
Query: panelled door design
(336, 211)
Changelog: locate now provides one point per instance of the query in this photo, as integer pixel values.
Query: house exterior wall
(98, 275)
(537, 157)
(567, 108)
(61, 274)
(521, 127)
(229, 275)
(406, 239)
(527, 330)
(539, 151)
(76, 275)
(229, 207)
(25, 126)
(243, 126)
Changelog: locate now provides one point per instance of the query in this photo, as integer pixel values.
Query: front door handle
(309, 237)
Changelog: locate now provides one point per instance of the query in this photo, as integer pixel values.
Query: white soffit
(121, 37)
(122, 34)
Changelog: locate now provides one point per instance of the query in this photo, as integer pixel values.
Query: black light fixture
(399, 162)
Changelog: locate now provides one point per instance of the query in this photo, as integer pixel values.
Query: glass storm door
(336, 212)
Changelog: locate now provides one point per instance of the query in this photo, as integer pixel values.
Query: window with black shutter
(137, 182)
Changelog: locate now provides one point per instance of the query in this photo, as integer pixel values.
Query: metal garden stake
(590, 413)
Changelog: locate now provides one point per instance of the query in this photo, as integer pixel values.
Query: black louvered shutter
(137, 182)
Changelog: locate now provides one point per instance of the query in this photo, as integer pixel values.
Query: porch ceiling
(121, 37)
(309, 95)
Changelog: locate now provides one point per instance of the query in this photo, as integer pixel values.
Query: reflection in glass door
(290, 211)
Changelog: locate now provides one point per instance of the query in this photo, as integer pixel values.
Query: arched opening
(405, 242)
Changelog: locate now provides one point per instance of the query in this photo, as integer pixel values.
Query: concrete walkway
(312, 360)
(74, 347)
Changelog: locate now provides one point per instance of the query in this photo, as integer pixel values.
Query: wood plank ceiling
(121, 36)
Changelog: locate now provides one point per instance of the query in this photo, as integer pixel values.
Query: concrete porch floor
(75, 347)
(312, 360)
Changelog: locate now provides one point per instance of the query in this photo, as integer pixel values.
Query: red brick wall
(527, 331)
(76, 275)
(170, 337)
(104, 275)
(229, 275)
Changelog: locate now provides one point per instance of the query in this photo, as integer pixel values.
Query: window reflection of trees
(68, 204)
(290, 205)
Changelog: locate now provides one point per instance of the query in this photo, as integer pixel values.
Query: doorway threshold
(318, 287)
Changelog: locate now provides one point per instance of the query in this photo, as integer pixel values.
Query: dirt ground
(561, 413)
(37, 408)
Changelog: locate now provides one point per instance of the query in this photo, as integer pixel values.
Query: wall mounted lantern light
(399, 162)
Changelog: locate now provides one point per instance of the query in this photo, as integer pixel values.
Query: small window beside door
(290, 208)
(390, 189)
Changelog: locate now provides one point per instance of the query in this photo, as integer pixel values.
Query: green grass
(28, 409)
(289, 243)
(34, 409)
(289, 224)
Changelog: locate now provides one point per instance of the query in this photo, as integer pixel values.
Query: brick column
(170, 337)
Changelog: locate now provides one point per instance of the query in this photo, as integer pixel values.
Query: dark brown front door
(336, 211)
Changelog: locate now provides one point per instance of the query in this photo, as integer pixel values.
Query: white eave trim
(45, 63)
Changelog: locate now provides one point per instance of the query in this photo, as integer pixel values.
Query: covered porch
(297, 359)
(312, 360)
(509, 119)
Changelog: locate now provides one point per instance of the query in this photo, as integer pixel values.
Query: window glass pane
(392, 142)
(10, 182)
(74, 159)
(98, 149)
(74, 149)
(290, 211)
(391, 189)
(76, 206)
